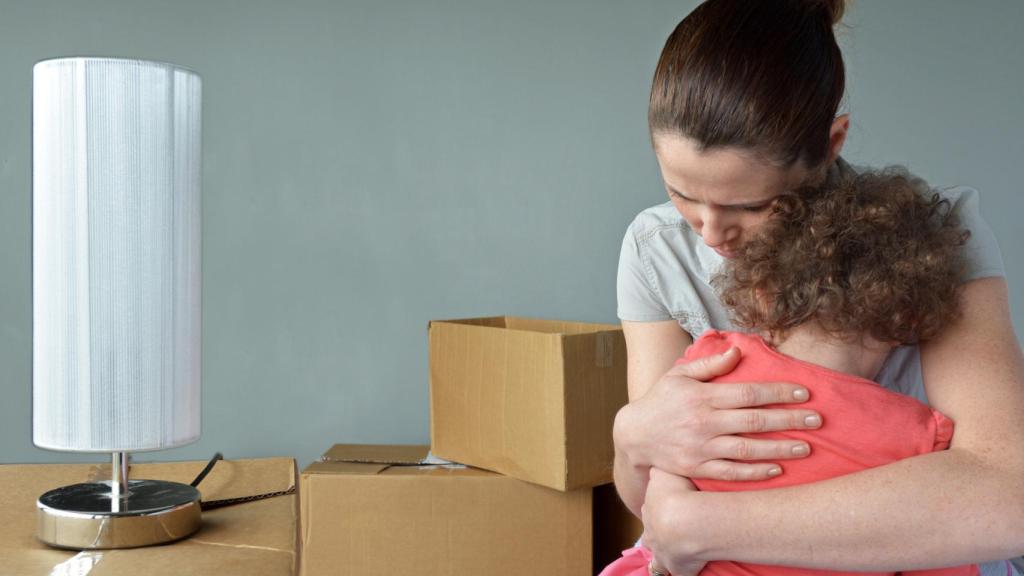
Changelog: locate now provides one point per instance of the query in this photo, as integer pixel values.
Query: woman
(834, 280)
(743, 108)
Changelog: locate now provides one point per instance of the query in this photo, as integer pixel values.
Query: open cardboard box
(532, 399)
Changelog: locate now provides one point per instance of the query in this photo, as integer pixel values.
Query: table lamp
(115, 290)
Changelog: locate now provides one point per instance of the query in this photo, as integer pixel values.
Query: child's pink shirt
(863, 425)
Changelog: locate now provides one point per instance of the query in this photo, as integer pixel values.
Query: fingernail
(801, 450)
(801, 394)
(813, 421)
(774, 471)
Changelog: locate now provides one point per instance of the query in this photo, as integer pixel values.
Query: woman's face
(724, 193)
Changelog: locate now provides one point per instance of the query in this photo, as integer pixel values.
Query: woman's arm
(652, 348)
(958, 506)
(678, 422)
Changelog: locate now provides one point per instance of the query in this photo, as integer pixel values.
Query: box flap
(535, 325)
(497, 400)
(344, 468)
(534, 399)
(388, 454)
(489, 321)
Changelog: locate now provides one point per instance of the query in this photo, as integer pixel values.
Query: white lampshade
(116, 255)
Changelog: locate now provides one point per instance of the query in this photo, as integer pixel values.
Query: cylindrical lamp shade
(116, 255)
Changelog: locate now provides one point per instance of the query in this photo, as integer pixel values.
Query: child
(835, 279)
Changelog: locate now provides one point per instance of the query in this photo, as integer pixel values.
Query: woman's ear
(837, 136)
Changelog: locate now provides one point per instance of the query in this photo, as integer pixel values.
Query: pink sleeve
(943, 431)
(710, 343)
(633, 562)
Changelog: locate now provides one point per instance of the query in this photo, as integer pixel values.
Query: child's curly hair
(874, 254)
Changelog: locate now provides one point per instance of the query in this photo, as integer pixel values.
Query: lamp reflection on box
(116, 280)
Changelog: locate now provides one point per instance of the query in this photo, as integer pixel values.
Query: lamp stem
(119, 479)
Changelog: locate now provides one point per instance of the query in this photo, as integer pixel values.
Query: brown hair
(763, 75)
(876, 254)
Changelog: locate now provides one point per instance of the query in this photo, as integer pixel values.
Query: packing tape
(432, 460)
(78, 565)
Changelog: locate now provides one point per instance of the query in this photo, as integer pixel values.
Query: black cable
(209, 466)
(214, 504)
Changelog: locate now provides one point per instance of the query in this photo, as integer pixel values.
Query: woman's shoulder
(659, 217)
(961, 197)
(981, 252)
(663, 230)
(665, 272)
(662, 236)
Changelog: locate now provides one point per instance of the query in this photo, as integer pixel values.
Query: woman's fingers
(699, 422)
(729, 395)
(742, 448)
(736, 471)
(754, 420)
(708, 367)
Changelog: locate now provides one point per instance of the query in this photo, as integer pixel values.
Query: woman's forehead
(726, 175)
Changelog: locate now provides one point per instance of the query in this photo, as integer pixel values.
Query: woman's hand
(688, 427)
(665, 494)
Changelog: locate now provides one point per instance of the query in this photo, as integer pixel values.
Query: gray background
(369, 166)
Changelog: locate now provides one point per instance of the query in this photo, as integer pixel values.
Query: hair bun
(833, 9)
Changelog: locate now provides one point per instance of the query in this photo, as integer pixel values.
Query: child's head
(876, 254)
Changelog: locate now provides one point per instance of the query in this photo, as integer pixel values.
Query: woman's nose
(716, 230)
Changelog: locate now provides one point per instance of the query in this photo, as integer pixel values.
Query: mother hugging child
(836, 278)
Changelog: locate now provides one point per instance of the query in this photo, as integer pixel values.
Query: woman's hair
(874, 254)
(763, 75)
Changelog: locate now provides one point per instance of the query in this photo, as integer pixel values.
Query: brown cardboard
(369, 517)
(258, 538)
(532, 399)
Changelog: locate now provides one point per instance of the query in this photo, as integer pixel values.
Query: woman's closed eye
(757, 208)
(677, 195)
(754, 208)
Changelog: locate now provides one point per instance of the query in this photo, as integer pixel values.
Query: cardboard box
(258, 538)
(532, 399)
(378, 509)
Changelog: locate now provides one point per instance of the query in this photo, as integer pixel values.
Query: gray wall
(372, 165)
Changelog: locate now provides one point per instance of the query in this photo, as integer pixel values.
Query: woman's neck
(858, 356)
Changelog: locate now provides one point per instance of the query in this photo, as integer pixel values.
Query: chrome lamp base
(101, 515)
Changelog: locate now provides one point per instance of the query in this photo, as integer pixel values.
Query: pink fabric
(632, 563)
(864, 425)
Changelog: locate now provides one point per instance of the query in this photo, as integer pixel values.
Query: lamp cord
(209, 466)
(211, 504)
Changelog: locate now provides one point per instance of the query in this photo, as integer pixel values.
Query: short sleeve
(637, 299)
(943, 431)
(981, 253)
